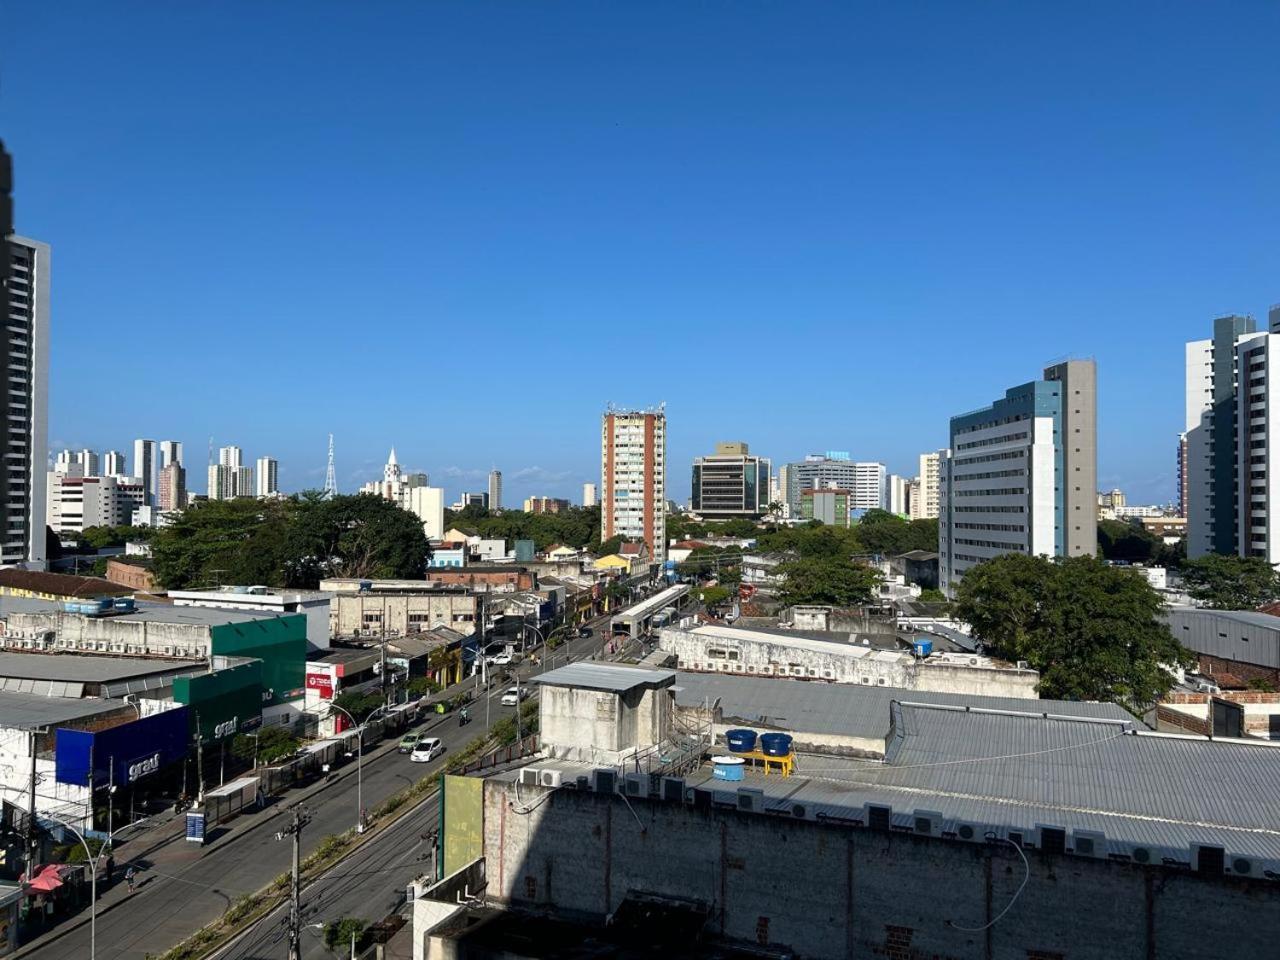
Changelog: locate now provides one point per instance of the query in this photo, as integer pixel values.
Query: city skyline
(1040, 214)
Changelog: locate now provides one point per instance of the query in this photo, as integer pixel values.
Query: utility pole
(294, 832)
(111, 795)
(31, 814)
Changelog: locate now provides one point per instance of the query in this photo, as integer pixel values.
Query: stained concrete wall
(114, 634)
(833, 891)
(392, 613)
(600, 726)
(983, 680)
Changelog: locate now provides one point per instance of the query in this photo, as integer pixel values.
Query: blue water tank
(123, 605)
(922, 647)
(740, 741)
(727, 768)
(775, 744)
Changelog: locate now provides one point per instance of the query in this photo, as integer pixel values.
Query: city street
(181, 888)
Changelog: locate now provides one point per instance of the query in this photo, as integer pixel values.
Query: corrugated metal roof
(603, 676)
(842, 708)
(83, 667)
(22, 711)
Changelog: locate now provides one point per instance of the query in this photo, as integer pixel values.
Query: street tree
(827, 580)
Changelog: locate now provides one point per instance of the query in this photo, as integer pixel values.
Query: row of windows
(991, 492)
(989, 475)
(988, 509)
(988, 457)
(1006, 438)
(1003, 527)
(993, 545)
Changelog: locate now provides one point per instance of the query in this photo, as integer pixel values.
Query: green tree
(271, 744)
(714, 595)
(359, 705)
(932, 595)
(1128, 542)
(338, 933)
(827, 580)
(223, 541)
(1092, 630)
(889, 534)
(609, 546)
(352, 536)
(1231, 583)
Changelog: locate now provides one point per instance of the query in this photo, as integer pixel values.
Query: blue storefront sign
(123, 754)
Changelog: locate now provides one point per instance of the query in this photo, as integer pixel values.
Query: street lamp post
(359, 759)
(93, 863)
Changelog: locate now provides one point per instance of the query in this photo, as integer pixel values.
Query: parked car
(426, 750)
(408, 742)
(514, 695)
(499, 659)
(585, 632)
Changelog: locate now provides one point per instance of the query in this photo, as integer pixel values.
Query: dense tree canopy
(1092, 630)
(1231, 582)
(1131, 542)
(293, 542)
(576, 527)
(827, 580)
(878, 532)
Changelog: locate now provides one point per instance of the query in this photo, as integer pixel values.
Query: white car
(499, 659)
(426, 750)
(514, 695)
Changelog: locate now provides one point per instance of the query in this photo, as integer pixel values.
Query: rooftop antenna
(330, 477)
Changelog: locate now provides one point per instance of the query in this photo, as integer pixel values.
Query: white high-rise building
(870, 487)
(146, 467)
(242, 481)
(1232, 495)
(633, 471)
(930, 479)
(170, 452)
(588, 494)
(896, 494)
(25, 426)
(113, 464)
(411, 492)
(495, 490)
(267, 471)
(232, 457)
(219, 482)
(66, 462)
(88, 460)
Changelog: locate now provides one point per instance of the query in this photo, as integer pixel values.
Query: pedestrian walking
(111, 867)
(129, 878)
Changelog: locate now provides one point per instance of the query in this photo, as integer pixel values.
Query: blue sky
(464, 228)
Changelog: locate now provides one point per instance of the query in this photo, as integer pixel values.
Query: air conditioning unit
(1089, 843)
(604, 781)
(673, 789)
(877, 816)
(637, 785)
(750, 799)
(799, 811)
(971, 832)
(1208, 860)
(551, 778)
(1244, 867)
(1141, 855)
(927, 823)
(529, 777)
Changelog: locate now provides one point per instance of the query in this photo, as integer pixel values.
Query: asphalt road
(179, 890)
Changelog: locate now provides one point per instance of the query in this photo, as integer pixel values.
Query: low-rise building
(781, 653)
(487, 578)
(1000, 814)
(312, 604)
(376, 608)
(176, 634)
(132, 573)
(40, 585)
(1242, 643)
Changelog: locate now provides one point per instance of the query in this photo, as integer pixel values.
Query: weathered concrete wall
(982, 680)
(111, 634)
(603, 727)
(748, 656)
(402, 615)
(829, 891)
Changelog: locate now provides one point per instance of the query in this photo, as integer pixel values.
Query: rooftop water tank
(775, 744)
(741, 740)
(727, 768)
(922, 647)
(123, 605)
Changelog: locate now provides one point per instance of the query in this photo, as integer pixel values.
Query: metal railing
(513, 751)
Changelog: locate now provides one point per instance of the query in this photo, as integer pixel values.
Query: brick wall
(1235, 696)
(1210, 665)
